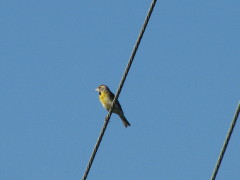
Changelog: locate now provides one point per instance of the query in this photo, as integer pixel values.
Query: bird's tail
(124, 120)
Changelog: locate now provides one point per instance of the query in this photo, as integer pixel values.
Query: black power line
(119, 90)
(225, 144)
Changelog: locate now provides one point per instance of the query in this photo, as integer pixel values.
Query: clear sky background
(180, 95)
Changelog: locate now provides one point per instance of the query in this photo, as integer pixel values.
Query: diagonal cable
(220, 158)
(119, 89)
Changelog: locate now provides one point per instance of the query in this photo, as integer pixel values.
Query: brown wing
(111, 95)
(117, 104)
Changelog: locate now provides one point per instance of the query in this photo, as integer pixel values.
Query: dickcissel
(106, 98)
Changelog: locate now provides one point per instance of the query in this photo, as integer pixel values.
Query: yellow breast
(106, 100)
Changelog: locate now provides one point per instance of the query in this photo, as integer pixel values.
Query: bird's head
(102, 88)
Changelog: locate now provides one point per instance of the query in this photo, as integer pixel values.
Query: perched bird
(106, 98)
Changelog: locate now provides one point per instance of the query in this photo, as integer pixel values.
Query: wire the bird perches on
(119, 90)
(225, 144)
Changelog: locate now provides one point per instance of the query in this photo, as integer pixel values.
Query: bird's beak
(97, 89)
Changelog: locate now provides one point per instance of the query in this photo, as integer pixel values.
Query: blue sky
(180, 95)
